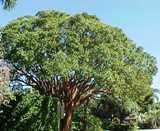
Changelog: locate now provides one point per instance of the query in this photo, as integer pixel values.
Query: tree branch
(90, 93)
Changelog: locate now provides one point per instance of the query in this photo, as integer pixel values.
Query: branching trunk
(72, 91)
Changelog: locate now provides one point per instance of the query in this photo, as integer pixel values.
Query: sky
(139, 19)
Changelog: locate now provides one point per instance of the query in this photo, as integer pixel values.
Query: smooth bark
(67, 120)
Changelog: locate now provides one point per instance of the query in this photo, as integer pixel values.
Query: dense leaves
(5, 91)
(53, 43)
(29, 111)
(151, 118)
(76, 57)
(84, 119)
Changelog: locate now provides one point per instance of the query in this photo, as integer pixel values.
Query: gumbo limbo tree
(74, 58)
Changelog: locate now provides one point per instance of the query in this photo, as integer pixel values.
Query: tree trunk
(67, 120)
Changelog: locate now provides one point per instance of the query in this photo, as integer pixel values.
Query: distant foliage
(151, 118)
(5, 91)
(8, 4)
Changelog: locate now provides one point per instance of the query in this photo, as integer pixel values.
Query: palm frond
(8, 4)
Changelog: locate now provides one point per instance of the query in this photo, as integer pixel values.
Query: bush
(152, 119)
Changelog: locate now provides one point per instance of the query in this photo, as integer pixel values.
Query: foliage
(76, 57)
(116, 114)
(29, 111)
(5, 94)
(84, 120)
(156, 92)
(8, 4)
(5, 91)
(151, 118)
(54, 43)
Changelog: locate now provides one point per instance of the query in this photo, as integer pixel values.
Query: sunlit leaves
(53, 43)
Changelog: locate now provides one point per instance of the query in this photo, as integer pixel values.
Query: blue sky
(139, 19)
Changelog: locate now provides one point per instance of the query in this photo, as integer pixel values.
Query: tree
(8, 4)
(85, 120)
(74, 58)
(5, 91)
(29, 111)
(156, 94)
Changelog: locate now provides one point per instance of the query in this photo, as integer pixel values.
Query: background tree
(156, 94)
(8, 4)
(5, 91)
(76, 57)
(116, 114)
